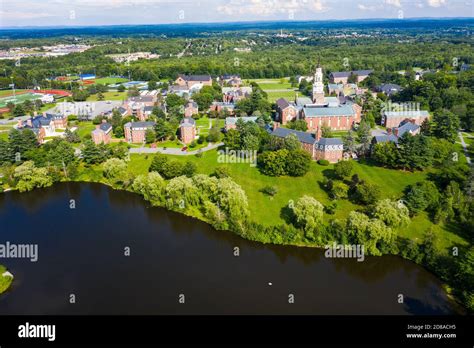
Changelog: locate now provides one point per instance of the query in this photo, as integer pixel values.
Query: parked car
(184, 148)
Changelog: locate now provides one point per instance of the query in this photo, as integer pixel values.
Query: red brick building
(102, 133)
(187, 130)
(191, 80)
(135, 131)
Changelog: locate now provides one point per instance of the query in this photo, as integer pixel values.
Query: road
(464, 145)
(173, 151)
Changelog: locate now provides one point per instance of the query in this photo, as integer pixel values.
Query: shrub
(221, 172)
(323, 162)
(269, 190)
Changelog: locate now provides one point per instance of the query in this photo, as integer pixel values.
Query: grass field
(274, 96)
(19, 98)
(110, 80)
(109, 96)
(8, 92)
(84, 129)
(268, 211)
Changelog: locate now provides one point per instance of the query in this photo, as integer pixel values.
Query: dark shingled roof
(195, 77)
(105, 126)
(140, 124)
(348, 73)
(187, 122)
(303, 137)
(282, 103)
(330, 141)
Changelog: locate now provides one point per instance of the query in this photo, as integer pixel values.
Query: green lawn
(85, 128)
(8, 92)
(273, 96)
(109, 96)
(110, 80)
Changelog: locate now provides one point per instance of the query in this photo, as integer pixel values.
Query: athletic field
(18, 98)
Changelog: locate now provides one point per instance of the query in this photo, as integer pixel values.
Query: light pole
(13, 86)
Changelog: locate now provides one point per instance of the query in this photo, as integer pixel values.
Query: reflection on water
(81, 252)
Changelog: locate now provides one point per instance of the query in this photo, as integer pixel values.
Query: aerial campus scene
(221, 157)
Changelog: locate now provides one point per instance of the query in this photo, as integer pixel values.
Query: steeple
(318, 86)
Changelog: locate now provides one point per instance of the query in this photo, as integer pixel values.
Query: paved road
(464, 145)
(173, 151)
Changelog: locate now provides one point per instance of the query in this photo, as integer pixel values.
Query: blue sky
(107, 12)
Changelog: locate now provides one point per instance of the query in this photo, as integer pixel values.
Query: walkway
(173, 151)
(464, 145)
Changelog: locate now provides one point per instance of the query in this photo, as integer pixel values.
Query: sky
(110, 12)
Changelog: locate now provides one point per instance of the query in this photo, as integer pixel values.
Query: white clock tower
(318, 86)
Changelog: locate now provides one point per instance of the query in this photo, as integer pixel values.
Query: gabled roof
(195, 77)
(233, 120)
(303, 137)
(282, 103)
(187, 122)
(140, 124)
(407, 127)
(303, 101)
(385, 138)
(104, 127)
(348, 73)
(408, 114)
(341, 110)
(330, 141)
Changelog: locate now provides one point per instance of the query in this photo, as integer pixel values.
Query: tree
(115, 170)
(422, 196)
(100, 96)
(343, 169)
(214, 135)
(28, 177)
(150, 136)
(392, 213)
(163, 129)
(364, 138)
(353, 78)
(173, 100)
(22, 141)
(232, 139)
(338, 190)
(152, 85)
(297, 162)
(326, 131)
(151, 186)
(308, 214)
(158, 163)
(299, 125)
(386, 154)
(93, 154)
(349, 141)
(72, 137)
(366, 193)
(273, 163)
(204, 100)
(415, 152)
(291, 142)
(446, 125)
(121, 88)
(189, 169)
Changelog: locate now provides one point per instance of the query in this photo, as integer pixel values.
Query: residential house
(231, 122)
(234, 94)
(285, 111)
(187, 130)
(223, 107)
(135, 131)
(388, 88)
(191, 108)
(391, 119)
(343, 76)
(393, 134)
(44, 125)
(230, 80)
(102, 133)
(330, 149)
(191, 80)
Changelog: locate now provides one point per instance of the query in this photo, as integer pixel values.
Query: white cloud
(270, 7)
(24, 15)
(395, 3)
(436, 3)
(366, 8)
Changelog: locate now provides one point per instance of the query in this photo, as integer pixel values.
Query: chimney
(29, 123)
(276, 125)
(20, 124)
(319, 133)
(395, 132)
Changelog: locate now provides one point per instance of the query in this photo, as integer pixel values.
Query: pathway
(464, 145)
(173, 151)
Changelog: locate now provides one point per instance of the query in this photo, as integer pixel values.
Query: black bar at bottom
(137, 330)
